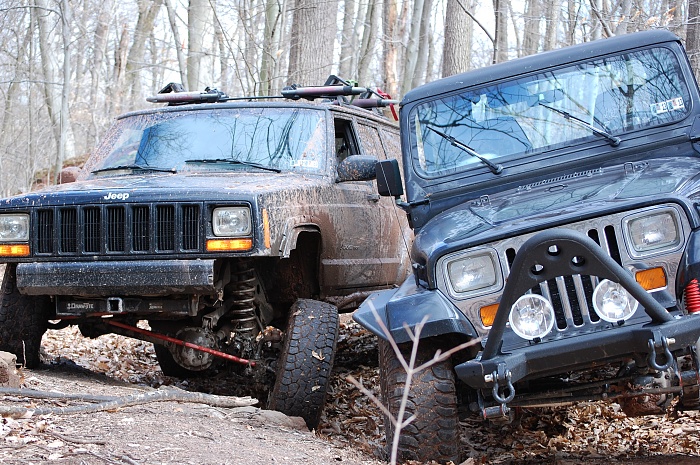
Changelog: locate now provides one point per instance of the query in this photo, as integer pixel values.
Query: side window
(345, 140)
(371, 143)
(392, 143)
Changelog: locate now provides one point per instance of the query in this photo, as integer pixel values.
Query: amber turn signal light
(14, 250)
(488, 314)
(651, 279)
(229, 245)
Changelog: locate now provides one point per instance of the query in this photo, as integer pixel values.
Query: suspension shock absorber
(242, 298)
(692, 296)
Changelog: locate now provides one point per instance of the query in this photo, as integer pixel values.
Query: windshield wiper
(135, 168)
(495, 169)
(235, 162)
(614, 141)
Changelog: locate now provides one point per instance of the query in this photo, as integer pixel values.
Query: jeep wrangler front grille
(118, 229)
(572, 296)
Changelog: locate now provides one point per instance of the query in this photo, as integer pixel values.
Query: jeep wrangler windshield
(516, 120)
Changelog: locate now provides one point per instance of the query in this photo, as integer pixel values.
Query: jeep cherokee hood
(170, 187)
(556, 201)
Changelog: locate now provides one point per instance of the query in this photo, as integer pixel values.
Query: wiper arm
(231, 161)
(135, 167)
(495, 169)
(614, 141)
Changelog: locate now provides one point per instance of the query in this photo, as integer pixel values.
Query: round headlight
(612, 302)
(531, 316)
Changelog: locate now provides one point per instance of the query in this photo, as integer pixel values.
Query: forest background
(68, 67)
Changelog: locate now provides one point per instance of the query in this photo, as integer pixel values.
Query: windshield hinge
(695, 130)
(483, 201)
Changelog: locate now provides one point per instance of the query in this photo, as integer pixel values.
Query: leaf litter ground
(351, 430)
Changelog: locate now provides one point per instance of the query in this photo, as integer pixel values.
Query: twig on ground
(65, 438)
(161, 395)
(409, 366)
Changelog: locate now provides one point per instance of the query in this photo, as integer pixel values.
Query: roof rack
(339, 91)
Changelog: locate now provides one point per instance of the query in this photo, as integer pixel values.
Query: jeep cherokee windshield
(602, 98)
(224, 139)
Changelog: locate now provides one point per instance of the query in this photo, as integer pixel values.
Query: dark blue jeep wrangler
(555, 201)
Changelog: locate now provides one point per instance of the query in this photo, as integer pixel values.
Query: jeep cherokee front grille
(118, 229)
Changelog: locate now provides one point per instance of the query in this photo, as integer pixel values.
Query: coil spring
(692, 296)
(243, 307)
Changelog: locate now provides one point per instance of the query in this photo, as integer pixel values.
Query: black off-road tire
(306, 360)
(23, 320)
(434, 433)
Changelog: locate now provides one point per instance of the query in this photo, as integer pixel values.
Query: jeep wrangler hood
(557, 201)
(169, 187)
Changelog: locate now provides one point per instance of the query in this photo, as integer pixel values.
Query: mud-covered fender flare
(408, 305)
(290, 233)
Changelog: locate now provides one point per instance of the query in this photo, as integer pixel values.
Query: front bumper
(642, 342)
(117, 278)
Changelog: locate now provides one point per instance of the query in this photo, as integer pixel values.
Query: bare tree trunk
(224, 54)
(531, 27)
(421, 70)
(347, 40)
(135, 60)
(57, 108)
(624, 23)
(692, 40)
(500, 10)
(313, 35)
(391, 43)
(273, 15)
(369, 40)
(197, 20)
(66, 18)
(181, 64)
(97, 75)
(552, 21)
(458, 40)
(411, 57)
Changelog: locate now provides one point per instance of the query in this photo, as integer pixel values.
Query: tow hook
(660, 344)
(497, 380)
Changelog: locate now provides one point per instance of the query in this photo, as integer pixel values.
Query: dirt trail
(350, 431)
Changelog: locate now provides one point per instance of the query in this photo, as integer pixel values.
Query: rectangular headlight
(14, 227)
(231, 221)
(657, 231)
(477, 272)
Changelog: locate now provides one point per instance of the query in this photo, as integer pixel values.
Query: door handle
(373, 197)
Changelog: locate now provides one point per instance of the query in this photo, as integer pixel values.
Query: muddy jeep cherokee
(556, 205)
(236, 229)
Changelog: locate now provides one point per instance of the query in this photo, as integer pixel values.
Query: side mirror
(356, 168)
(389, 182)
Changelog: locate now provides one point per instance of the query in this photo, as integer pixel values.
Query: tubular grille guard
(118, 229)
(570, 246)
(572, 296)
